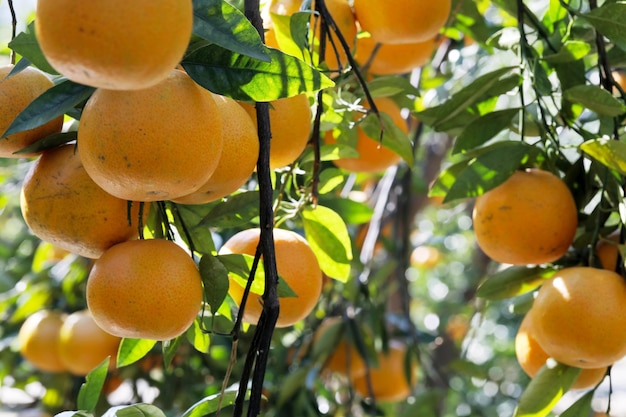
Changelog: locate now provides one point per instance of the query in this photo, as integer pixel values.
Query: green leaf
(488, 170)
(292, 33)
(243, 78)
(570, 51)
(328, 237)
(215, 278)
(139, 410)
(131, 350)
(49, 142)
(595, 99)
(26, 44)
(353, 212)
(513, 281)
(169, 348)
(198, 337)
(610, 21)
(239, 267)
(74, 414)
(90, 391)
(581, 408)
(546, 389)
(484, 128)
(238, 210)
(219, 22)
(54, 102)
(610, 153)
(393, 137)
(391, 85)
(211, 404)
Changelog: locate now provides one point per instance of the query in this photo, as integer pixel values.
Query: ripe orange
(62, 205)
(529, 219)
(607, 252)
(238, 158)
(344, 357)
(83, 345)
(393, 58)
(579, 319)
(296, 264)
(38, 340)
(16, 93)
(290, 121)
(343, 16)
(114, 44)
(403, 21)
(532, 357)
(373, 157)
(145, 289)
(158, 143)
(389, 380)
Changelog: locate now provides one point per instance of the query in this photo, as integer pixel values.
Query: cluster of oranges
(577, 317)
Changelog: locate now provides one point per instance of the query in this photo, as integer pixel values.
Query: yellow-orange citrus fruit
(158, 143)
(38, 340)
(532, 357)
(389, 380)
(403, 21)
(145, 289)
(373, 157)
(296, 264)
(529, 219)
(344, 357)
(425, 257)
(83, 345)
(608, 252)
(578, 317)
(16, 93)
(238, 158)
(290, 121)
(114, 44)
(62, 205)
(343, 17)
(393, 58)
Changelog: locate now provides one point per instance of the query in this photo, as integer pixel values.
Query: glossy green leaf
(580, 408)
(54, 102)
(211, 404)
(328, 237)
(215, 278)
(26, 44)
(169, 348)
(131, 350)
(392, 136)
(610, 153)
(546, 389)
(570, 51)
(351, 211)
(139, 410)
(239, 267)
(221, 23)
(610, 20)
(513, 281)
(238, 210)
(292, 34)
(479, 131)
(49, 142)
(390, 86)
(92, 387)
(198, 337)
(595, 99)
(243, 78)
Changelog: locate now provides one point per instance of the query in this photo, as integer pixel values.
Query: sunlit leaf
(484, 128)
(239, 267)
(353, 212)
(328, 237)
(570, 51)
(90, 391)
(610, 20)
(581, 408)
(211, 404)
(595, 99)
(139, 410)
(131, 350)
(610, 153)
(393, 137)
(513, 281)
(198, 337)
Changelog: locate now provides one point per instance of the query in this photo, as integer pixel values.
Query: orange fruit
(532, 357)
(608, 252)
(393, 58)
(344, 357)
(343, 16)
(389, 380)
(16, 93)
(239, 154)
(579, 319)
(114, 44)
(62, 205)
(83, 345)
(38, 340)
(145, 289)
(158, 143)
(296, 264)
(290, 121)
(403, 21)
(531, 218)
(425, 257)
(373, 157)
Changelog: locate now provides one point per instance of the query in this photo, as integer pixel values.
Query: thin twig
(13, 28)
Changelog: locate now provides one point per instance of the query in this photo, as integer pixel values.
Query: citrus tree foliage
(511, 85)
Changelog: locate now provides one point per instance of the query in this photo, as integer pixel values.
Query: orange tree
(511, 87)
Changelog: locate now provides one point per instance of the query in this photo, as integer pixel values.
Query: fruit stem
(13, 28)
